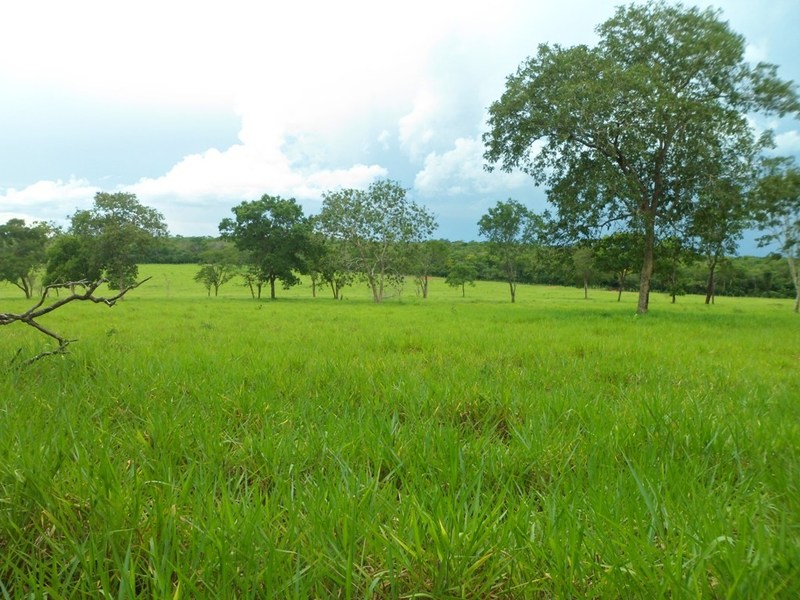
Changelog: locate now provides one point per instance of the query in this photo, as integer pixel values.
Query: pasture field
(223, 447)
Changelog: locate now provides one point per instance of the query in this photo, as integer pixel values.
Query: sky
(196, 106)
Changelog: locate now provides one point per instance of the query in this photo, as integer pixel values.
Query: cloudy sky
(195, 106)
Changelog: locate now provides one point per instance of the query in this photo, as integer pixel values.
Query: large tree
(628, 130)
(22, 252)
(109, 240)
(378, 226)
(509, 227)
(275, 232)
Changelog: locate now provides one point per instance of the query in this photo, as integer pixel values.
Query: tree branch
(41, 308)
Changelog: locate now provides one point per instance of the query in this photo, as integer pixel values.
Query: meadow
(224, 447)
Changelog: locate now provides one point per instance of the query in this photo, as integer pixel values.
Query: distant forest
(767, 277)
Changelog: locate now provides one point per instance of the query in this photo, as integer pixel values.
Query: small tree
(377, 226)
(777, 198)
(23, 253)
(509, 227)
(583, 261)
(426, 258)
(618, 253)
(336, 267)
(460, 274)
(254, 280)
(220, 264)
(721, 215)
(673, 254)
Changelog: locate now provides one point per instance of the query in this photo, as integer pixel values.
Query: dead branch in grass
(42, 307)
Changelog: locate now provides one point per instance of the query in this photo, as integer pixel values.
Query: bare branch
(42, 308)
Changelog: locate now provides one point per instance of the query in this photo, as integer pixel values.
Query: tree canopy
(629, 131)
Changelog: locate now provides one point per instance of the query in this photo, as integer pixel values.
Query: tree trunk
(513, 288)
(647, 267)
(710, 282)
(585, 288)
(377, 288)
(621, 285)
(424, 287)
(463, 290)
(272, 288)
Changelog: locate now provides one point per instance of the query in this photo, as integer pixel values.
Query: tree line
(270, 242)
(643, 142)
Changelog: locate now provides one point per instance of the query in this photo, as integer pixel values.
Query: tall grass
(448, 448)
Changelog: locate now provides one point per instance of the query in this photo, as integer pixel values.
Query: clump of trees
(377, 235)
(273, 233)
(107, 242)
(642, 140)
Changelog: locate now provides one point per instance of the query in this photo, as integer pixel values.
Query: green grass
(453, 447)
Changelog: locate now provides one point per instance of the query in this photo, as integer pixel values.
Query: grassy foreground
(194, 447)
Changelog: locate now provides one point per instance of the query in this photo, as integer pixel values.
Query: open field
(454, 447)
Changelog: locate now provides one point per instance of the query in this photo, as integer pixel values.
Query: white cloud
(46, 200)
(756, 53)
(460, 171)
(787, 142)
(417, 129)
(246, 171)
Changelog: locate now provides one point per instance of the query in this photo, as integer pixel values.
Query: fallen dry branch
(42, 307)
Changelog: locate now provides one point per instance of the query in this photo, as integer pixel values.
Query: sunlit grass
(454, 447)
